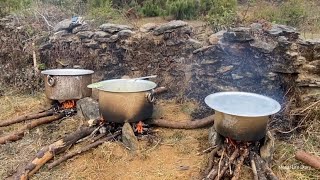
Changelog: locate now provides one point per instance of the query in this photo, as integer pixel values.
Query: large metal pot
(126, 100)
(67, 84)
(240, 115)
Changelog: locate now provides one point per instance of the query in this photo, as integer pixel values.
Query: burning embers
(227, 158)
(69, 104)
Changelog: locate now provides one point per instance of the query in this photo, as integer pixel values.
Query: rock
(83, 27)
(236, 76)
(267, 149)
(113, 28)
(214, 137)
(194, 43)
(88, 108)
(102, 40)
(256, 26)
(92, 44)
(169, 27)
(148, 27)
(101, 34)
(67, 24)
(263, 46)
(224, 69)
(85, 34)
(202, 49)
(125, 33)
(213, 39)
(113, 38)
(240, 34)
(278, 29)
(44, 46)
(128, 137)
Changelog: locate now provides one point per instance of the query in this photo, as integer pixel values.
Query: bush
(292, 13)
(220, 12)
(182, 9)
(151, 8)
(101, 11)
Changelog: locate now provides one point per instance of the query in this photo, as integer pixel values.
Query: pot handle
(51, 80)
(150, 96)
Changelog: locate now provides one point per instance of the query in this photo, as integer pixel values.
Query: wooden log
(160, 90)
(211, 158)
(214, 172)
(197, 123)
(83, 149)
(234, 155)
(25, 171)
(265, 168)
(20, 132)
(236, 174)
(25, 117)
(309, 159)
(254, 168)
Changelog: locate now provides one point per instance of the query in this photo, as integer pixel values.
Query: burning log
(20, 132)
(83, 149)
(309, 159)
(25, 117)
(197, 123)
(45, 154)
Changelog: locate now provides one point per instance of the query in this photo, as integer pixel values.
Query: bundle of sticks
(231, 157)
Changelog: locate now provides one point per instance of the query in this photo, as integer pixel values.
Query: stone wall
(268, 59)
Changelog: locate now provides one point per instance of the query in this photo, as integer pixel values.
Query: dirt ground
(173, 154)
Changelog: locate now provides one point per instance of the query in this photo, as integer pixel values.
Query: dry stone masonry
(268, 59)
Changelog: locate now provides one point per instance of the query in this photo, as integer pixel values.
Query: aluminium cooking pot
(126, 100)
(240, 115)
(67, 84)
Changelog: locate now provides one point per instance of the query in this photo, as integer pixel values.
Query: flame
(139, 127)
(69, 104)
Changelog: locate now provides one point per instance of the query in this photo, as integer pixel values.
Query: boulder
(148, 27)
(101, 34)
(85, 34)
(113, 28)
(125, 33)
(240, 34)
(128, 137)
(214, 137)
(169, 27)
(83, 27)
(88, 108)
(67, 24)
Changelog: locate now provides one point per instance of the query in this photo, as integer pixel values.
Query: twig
(82, 150)
(219, 166)
(234, 155)
(254, 168)
(45, 19)
(236, 174)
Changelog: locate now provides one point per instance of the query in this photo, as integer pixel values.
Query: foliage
(101, 10)
(7, 6)
(151, 8)
(182, 9)
(220, 12)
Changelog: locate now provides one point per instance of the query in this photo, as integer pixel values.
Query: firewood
(309, 159)
(197, 123)
(265, 168)
(259, 162)
(214, 172)
(25, 117)
(20, 132)
(234, 155)
(211, 157)
(83, 149)
(254, 167)
(236, 174)
(160, 90)
(25, 171)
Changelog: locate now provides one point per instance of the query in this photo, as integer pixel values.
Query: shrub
(102, 10)
(182, 9)
(292, 12)
(220, 12)
(151, 8)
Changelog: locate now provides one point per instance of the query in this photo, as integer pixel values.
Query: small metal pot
(242, 116)
(126, 100)
(67, 84)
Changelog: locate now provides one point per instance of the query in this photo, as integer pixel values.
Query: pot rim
(242, 104)
(144, 85)
(67, 72)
